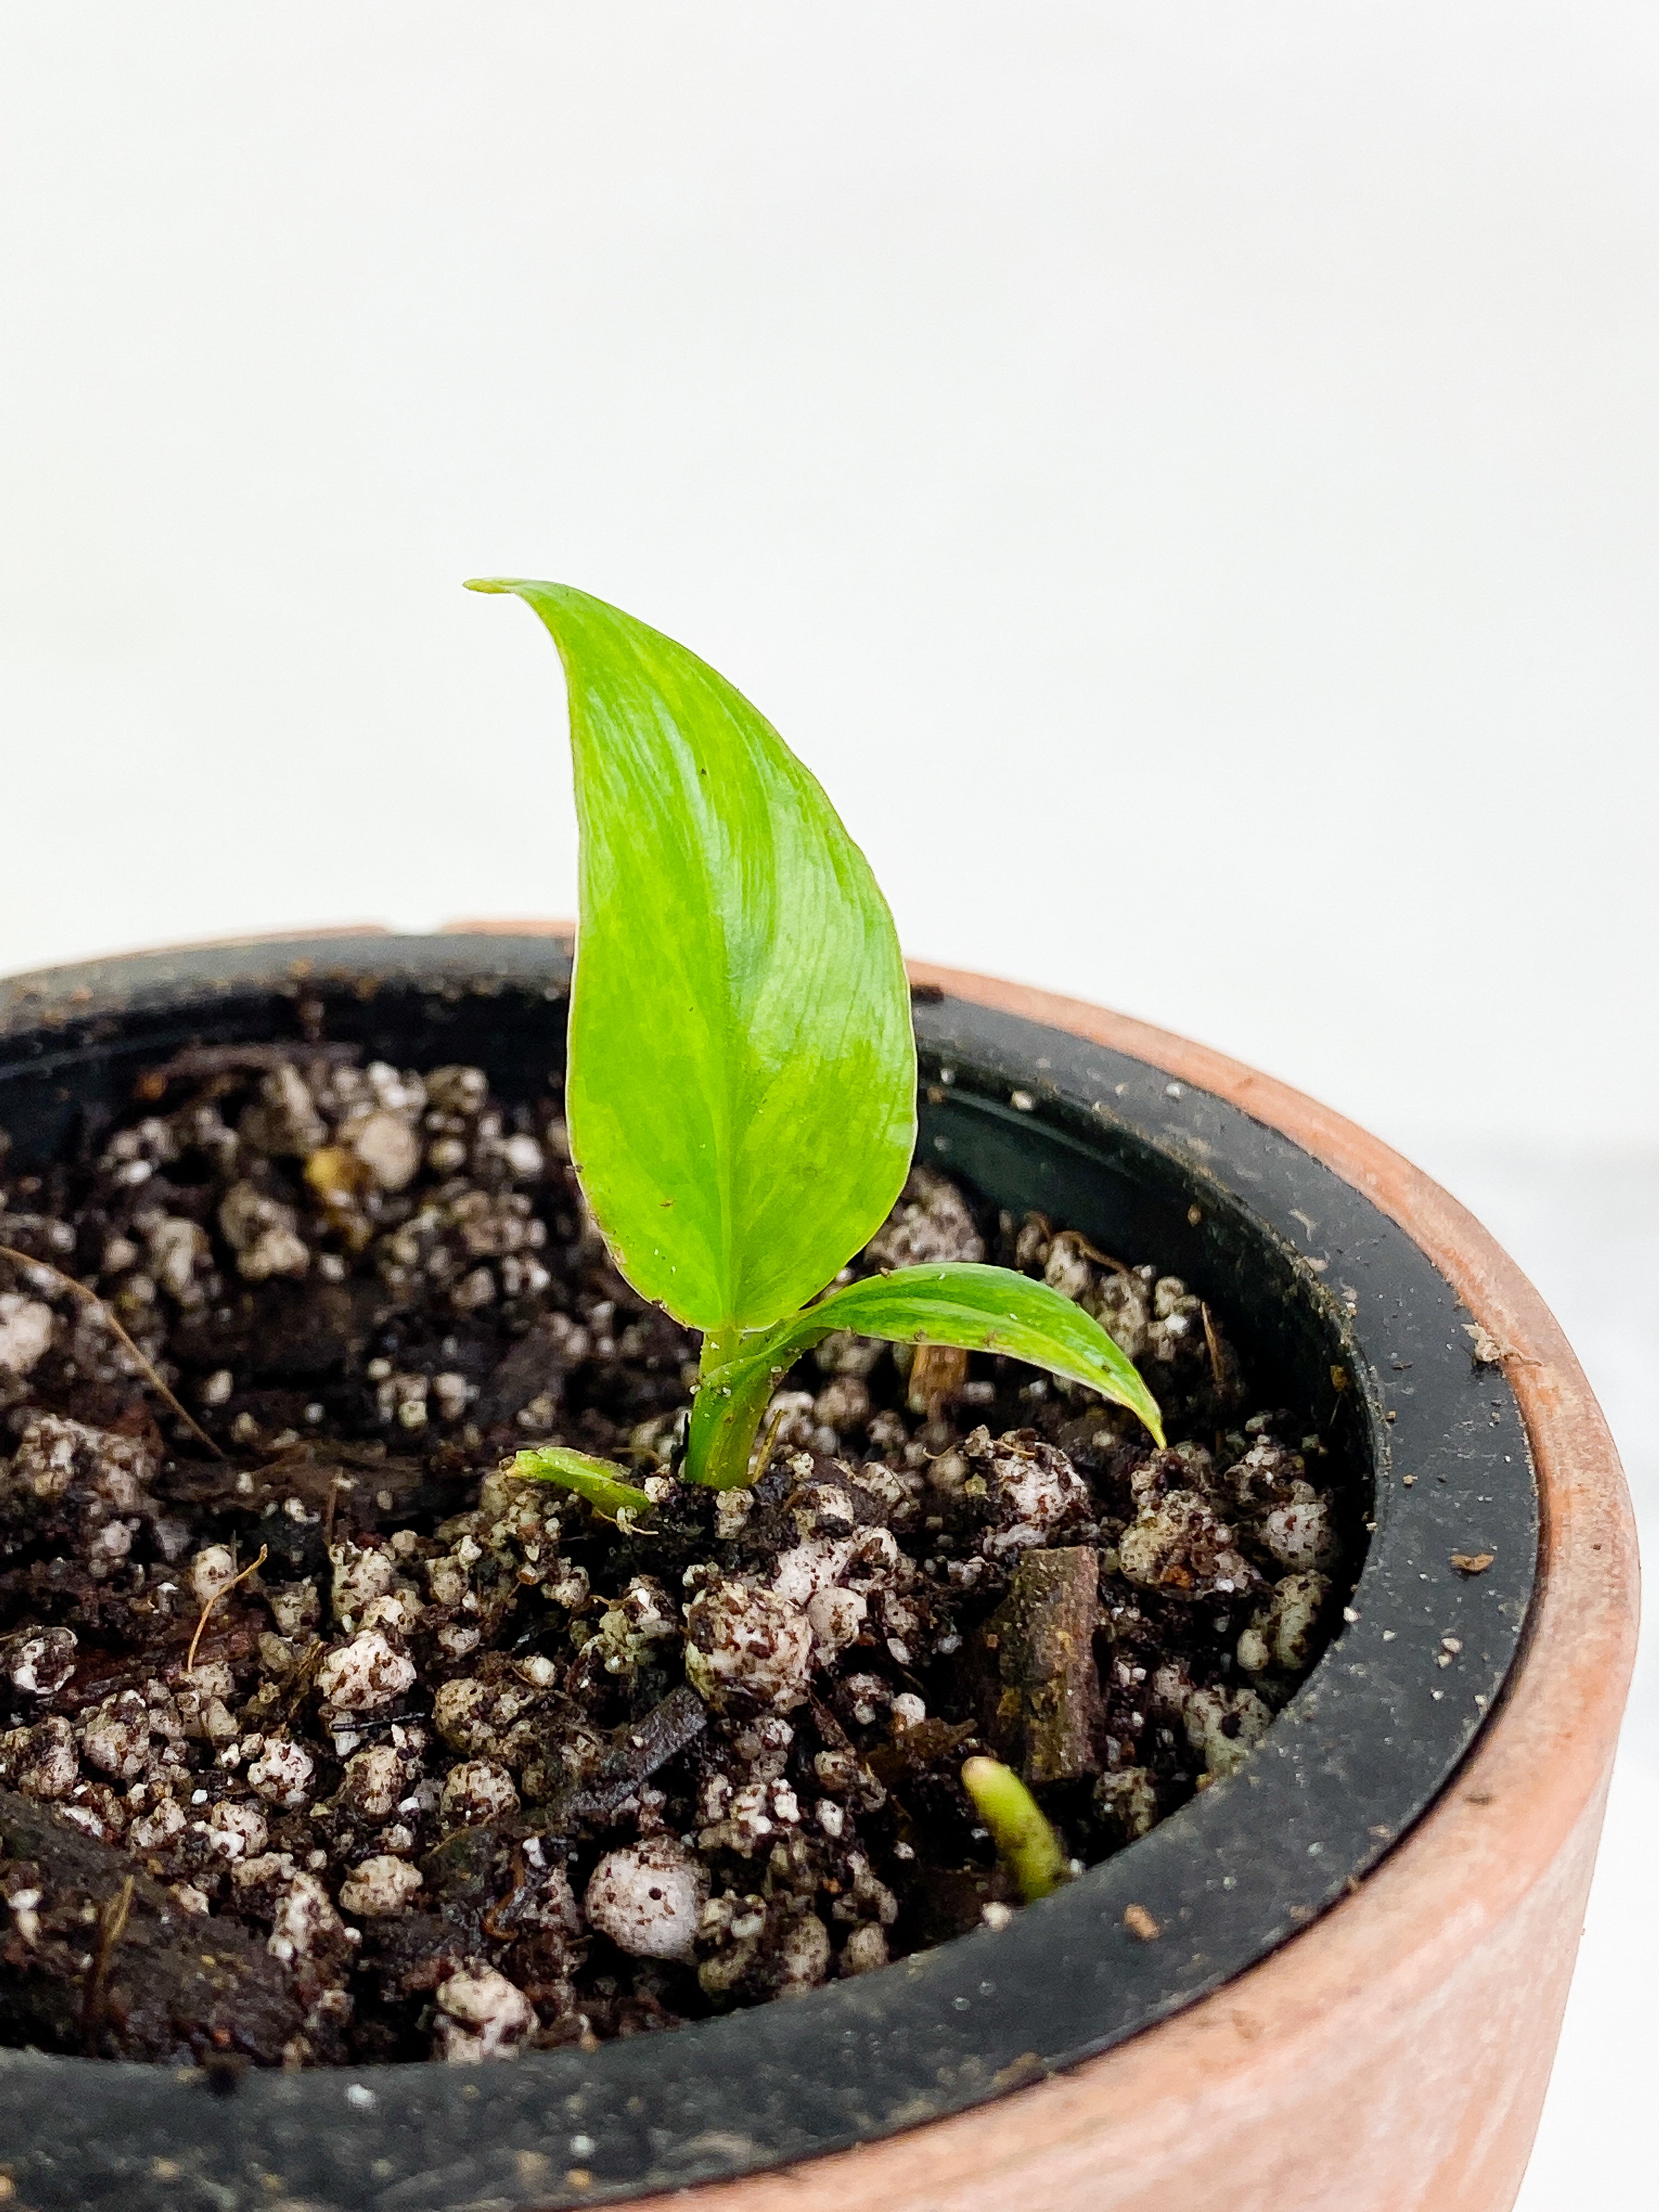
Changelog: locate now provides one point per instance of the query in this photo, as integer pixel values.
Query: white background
(1184, 476)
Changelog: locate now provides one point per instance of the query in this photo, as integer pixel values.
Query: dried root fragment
(1044, 1706)
(936, 1375)
(161, 1994)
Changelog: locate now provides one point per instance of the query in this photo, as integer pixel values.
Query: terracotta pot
(1395, 2056)
(1392, 2054)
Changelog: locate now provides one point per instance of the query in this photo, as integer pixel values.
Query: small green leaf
(1025, 1843)
(741, 1081)
(595, 1480)
(981, 1309)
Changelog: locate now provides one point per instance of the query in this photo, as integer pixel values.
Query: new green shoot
(1024, 1841)
(741, 1072)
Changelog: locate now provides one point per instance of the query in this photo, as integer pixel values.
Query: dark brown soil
(345, 1746)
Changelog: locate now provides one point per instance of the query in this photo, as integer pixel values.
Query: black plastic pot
(1330, 1300)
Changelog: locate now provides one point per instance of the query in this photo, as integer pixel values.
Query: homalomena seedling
(741, 1089)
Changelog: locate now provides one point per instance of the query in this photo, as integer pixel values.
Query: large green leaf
(981, 1309)
(742, 1085)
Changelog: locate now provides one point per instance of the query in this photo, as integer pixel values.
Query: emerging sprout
(595, 1480)
(741, 1081)
(1025, 1844)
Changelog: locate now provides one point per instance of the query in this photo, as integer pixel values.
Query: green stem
(726, 1417)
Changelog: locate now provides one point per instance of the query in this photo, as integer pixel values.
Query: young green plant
(741, 1087)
